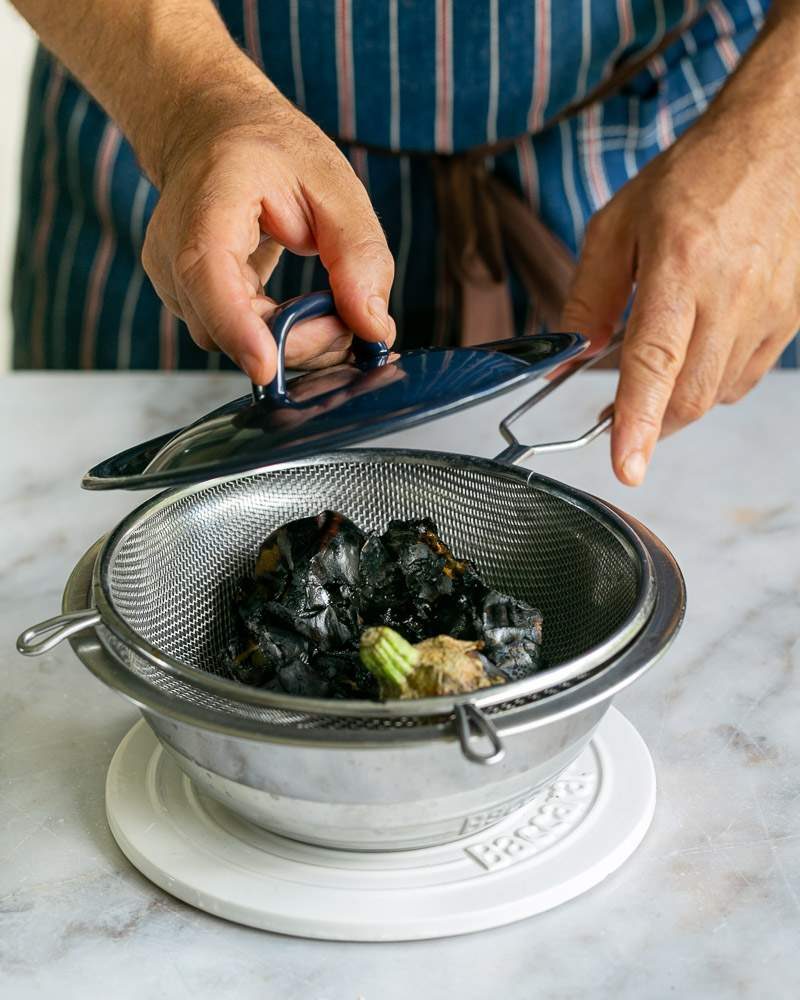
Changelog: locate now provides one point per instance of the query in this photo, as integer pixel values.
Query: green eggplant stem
(387, 655)
(441, 665)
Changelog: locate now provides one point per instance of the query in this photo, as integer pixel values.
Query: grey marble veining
(708, 907)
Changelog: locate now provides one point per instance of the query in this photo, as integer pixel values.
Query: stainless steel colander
(167, 573)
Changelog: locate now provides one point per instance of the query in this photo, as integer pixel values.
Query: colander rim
(568, 671)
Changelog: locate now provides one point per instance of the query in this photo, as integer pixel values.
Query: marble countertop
(709, 906)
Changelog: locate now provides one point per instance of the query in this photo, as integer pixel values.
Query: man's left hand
(708, 234)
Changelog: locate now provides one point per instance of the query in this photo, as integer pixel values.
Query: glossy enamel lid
(377, 392)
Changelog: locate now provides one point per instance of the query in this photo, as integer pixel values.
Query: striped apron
(394, 81)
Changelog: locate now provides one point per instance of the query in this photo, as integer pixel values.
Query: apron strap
(485, 226)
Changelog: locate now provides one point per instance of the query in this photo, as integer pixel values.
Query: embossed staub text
(562, 810)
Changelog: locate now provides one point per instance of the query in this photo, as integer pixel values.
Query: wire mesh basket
(164, 583)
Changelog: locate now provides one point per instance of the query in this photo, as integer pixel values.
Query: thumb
(353, 250)
(603, 282)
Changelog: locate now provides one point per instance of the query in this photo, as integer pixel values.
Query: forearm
(783, 10)
(150, 63)
(769, 75)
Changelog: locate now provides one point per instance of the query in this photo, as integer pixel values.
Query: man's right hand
(242, 174)
(232, 196)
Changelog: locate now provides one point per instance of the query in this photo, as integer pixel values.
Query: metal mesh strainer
(164, 581)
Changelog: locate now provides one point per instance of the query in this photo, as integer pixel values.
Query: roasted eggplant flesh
(319, 582)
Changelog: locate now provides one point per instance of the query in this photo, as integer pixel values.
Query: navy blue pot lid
(377, 392)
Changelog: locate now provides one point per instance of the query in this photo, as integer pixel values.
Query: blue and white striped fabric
(443, 75)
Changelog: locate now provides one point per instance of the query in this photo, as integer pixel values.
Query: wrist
(785, 13)
(198, 104)
(760, 99)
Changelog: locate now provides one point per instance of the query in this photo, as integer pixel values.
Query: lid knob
(280, 324)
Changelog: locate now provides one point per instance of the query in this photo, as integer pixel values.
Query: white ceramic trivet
(570, 837)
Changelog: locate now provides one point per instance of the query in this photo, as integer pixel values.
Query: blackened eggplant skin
(412, 582)
(319, 581)
(346, 676)
(307, 572)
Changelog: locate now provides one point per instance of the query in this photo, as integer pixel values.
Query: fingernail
(379, 312)
(634, 467)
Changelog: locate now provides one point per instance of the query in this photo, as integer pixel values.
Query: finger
(314, 343)
(337, 355)
(265, 257)
(252, 280)
(314, 338)
(603, 281)
(197, 330)
(698, 383)
(353, 249)
(742, 352)
(764, 359)
(158, 270)
(171, 302)
(213, 281)
(163, 282)
(653, 352)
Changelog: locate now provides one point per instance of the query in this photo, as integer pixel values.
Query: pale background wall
(16, 55)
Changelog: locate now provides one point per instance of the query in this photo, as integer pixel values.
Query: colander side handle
(518, 452)
(521, 452)
(469, 717)
(47, 635)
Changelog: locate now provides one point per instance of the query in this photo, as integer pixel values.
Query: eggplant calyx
(387, 655)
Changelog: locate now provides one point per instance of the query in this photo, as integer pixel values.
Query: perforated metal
(171, 573)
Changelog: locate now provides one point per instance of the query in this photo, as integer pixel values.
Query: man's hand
(231, 198)
(241, 172)
(708, 235)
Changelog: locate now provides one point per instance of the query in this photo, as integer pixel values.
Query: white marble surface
(708, 907)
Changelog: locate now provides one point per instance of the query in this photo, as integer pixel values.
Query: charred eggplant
(319, 582)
